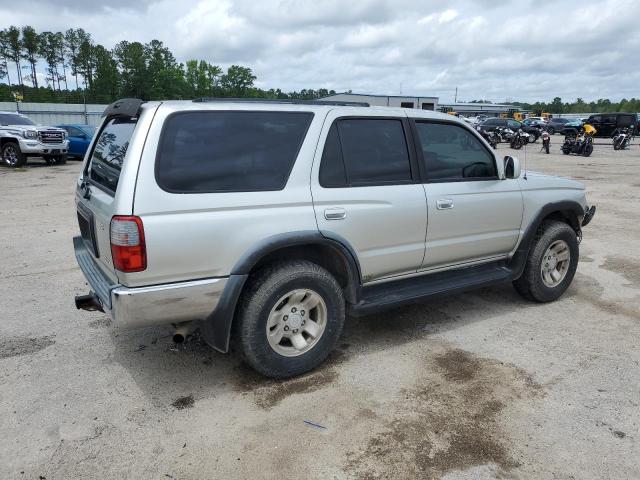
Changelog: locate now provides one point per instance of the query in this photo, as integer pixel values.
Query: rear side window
(108, 153)
(229, 151)
(451, 153)
(365, 151)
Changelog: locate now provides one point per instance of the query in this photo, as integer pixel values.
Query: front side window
(229, 151)
(109, 151)
(452, 153)
(365, 151)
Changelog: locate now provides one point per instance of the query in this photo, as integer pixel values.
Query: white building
(424, 103)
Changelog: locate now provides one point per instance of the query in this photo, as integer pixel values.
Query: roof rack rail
(282, 100)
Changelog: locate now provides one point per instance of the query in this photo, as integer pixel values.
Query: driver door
(473, 214)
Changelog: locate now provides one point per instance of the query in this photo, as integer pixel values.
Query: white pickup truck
(20, 138)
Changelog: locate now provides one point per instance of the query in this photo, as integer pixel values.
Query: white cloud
(532, 50)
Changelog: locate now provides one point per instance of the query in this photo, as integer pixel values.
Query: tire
(271, 291)
(12, 156)
(587, 150)
(532, 284)
(61, 160)
(49, 160)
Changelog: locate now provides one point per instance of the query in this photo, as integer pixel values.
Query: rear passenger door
(473, 215)
(367, 193)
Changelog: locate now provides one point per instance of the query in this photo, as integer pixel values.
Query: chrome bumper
(34, 147)
(151, 305)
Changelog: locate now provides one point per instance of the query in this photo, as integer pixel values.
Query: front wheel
(61, 160)
(290, 318)
(12, 156)
(551, 265)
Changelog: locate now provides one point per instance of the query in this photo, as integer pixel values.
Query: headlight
(30, 134)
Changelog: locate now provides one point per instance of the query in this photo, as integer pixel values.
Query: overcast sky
(525, 50)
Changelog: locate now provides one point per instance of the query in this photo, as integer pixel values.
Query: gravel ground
(483, 385)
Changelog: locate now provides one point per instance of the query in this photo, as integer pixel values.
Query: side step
(415, 289)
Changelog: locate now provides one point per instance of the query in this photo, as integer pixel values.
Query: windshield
(89, 130)
(14, 119)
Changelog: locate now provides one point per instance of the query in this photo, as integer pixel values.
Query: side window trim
(423, 172)
(412, 152)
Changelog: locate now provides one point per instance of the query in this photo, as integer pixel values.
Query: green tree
(15, 50)
(85, 58)
(71, 48)
(237, 81)
(165, 74)
(30, 51)
(50, 46)
(202, 78)
(132, 64)
(5, 54)
(106, 81)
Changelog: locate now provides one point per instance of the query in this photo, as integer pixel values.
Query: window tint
(514, 125)
(227, 151)
(375, 151)
(109, 152)
(73, 132)
(452, 153)
(332, 172)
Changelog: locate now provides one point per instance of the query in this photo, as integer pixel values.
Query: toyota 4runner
(21, 138)
(266, 222)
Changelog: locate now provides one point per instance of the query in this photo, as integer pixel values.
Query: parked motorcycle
(504, 134)
(521, 138)
(546, 141)
(491, 137)
(622, 138)
(580, 144)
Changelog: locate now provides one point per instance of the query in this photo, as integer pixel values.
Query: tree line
(77, 69)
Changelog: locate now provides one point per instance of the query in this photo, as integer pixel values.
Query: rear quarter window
(229, 151)
(109, 152)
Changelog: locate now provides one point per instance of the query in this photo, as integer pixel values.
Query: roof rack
(283, 100)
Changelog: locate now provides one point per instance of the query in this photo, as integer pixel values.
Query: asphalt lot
(483, 385)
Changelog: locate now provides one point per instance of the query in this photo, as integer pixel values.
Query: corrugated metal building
(57, 113)
(424, 103)
(473, 109)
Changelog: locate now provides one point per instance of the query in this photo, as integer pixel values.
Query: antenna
(525, 161)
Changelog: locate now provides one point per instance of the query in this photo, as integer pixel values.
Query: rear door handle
(335, 213)
(444, 204)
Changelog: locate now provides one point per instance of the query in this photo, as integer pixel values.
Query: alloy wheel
(555, 263)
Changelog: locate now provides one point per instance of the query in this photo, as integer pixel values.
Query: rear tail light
(127, 244)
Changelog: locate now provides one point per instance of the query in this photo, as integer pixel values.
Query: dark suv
(491, 124)
(607, 123)
(556, 125)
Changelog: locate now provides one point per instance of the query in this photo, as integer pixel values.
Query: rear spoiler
(125, 107)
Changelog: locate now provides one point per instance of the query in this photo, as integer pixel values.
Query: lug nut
(303, 322)
(302, 312)
(286, 329)
(285, 318)
(295, 331)
(293, 309)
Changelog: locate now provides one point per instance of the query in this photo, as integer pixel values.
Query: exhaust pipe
(90, 302)
(182, 331)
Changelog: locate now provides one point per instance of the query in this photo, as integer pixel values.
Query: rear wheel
(12, 156)
(290, 318)
(587, 150)
(551, 264)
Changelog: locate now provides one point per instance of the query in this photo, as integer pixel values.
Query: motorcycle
(491, 137)
(520, 139)
(546, 141)
(621, 138)
(581, 144)
(504, 134)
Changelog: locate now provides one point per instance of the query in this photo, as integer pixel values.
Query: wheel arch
(334, 254)
(568, 211)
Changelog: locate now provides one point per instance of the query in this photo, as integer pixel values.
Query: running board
(416, 289)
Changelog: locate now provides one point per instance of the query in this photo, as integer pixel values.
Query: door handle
(335, 214)
(444, 204)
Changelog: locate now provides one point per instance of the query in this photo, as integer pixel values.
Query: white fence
(57, 113)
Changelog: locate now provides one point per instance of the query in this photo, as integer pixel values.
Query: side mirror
(511, 167)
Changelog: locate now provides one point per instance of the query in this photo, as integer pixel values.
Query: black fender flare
(519, 258)
(216, 328)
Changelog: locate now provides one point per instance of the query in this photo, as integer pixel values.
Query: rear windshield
(109, 151)
(229, 151)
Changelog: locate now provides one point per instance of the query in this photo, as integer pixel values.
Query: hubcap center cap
(294, 320)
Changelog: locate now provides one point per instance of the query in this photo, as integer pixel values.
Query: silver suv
(266, 222)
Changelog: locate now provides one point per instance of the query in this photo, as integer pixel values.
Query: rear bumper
(150, 305)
